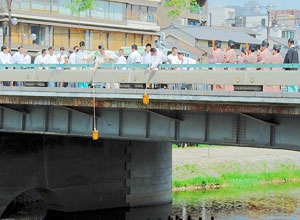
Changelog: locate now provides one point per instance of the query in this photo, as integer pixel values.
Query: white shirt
(163, 56)
(121, 60)
(61, 58)
(81, 57)
(107, 54)
(172, 59)
(27, 59)
(72, 58)
(156, 60)
(38, 59)
(48, 59)
(186, 60)
(17, 58)
(134, 57)
(5, 58)
(146, 59)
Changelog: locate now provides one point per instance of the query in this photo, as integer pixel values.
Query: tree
(79, 6)
(178, 6)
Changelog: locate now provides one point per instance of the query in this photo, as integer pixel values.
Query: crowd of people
(253, 55)
(154, 57)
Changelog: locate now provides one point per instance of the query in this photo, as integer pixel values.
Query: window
(38, 5)
(144, 13)
(44, 5)
(263, 21)
(63, 7)
(210, 44)
(54, 5)
(135, 13)
(47, 5)
(101, 10)
(292, 35)
(288, 34)
(41, 35)
(23, 5)
(151, 14)
(129, 12)
(116, 11)
(193, 22)
(141, 13)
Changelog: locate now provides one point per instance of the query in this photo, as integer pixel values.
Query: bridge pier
(77, 174)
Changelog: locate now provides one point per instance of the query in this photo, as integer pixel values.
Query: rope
(94, 101)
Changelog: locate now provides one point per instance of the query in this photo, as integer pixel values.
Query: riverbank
(210, 168)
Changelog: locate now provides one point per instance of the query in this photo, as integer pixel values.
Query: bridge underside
(257, 130)
(72, 174)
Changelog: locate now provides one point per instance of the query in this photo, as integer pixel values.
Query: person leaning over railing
(105, 57)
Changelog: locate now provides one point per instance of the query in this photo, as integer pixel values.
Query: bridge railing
(200, 76)
(146, 66)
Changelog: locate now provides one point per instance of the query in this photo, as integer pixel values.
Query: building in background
(193, 16)
(221, 17)
(113, 23)
(199, 39)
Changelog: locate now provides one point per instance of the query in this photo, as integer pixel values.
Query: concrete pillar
(150, 173)
(78, 174)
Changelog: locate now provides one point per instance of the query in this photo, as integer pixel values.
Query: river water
(264, 203)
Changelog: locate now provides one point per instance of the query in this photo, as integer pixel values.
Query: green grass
(236, 177)
(175, 146)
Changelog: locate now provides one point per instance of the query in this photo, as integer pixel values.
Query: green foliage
(178, 6)
(79, 6)
(234, 176)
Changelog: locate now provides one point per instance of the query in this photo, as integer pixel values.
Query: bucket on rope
(146, 99)
(95, 135)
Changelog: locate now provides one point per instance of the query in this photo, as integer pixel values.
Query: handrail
(145, 66)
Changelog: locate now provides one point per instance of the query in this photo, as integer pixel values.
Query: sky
(280, 4)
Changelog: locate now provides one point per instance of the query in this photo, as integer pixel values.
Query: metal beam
(21, 111)
(259, 120)
(164, 115)
(82, 112)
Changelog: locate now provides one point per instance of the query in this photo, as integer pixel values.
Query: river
(265, 203)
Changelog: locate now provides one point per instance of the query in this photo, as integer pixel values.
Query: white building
(221, 17)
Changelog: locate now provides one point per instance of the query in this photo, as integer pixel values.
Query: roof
(282, 41)
(222, 34)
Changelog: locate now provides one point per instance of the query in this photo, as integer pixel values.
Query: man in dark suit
(292, 57)
(292, 54)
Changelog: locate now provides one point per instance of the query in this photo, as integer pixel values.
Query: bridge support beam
(78, 174)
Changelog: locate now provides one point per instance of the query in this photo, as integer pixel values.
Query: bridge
(46, 139)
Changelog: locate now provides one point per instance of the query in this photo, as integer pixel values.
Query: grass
(234, 176)
(175, 146)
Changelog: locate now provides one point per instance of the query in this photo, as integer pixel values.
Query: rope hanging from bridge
(95, 132)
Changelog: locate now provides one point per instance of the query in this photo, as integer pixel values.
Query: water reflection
(267, 203)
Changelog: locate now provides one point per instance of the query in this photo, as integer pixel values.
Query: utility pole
(8, 2)
(269, 27)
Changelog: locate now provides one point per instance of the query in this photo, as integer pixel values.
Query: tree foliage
(176, 7)
(78, 6)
